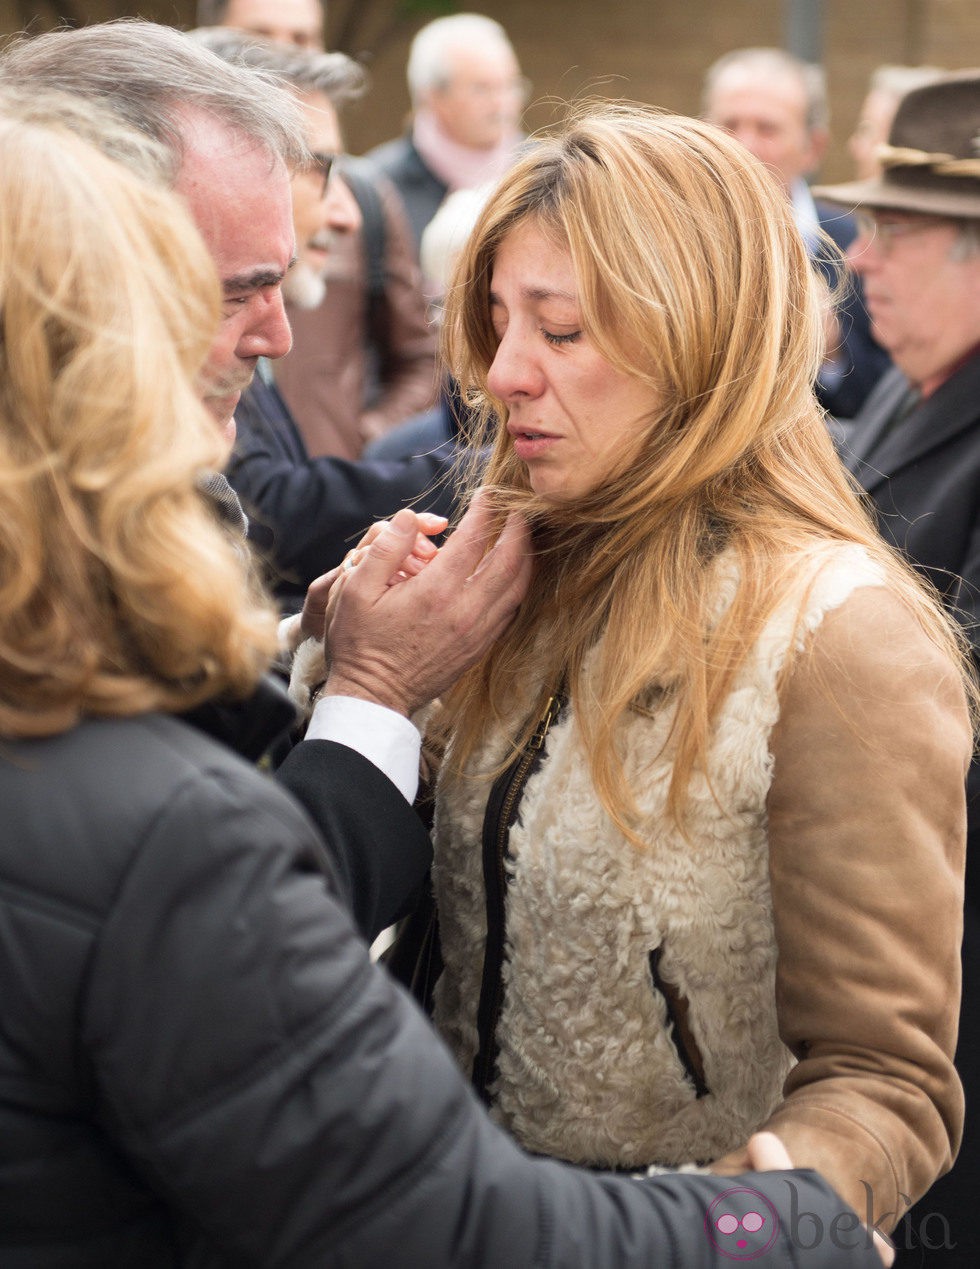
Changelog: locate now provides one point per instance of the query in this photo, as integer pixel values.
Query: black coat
(923, 477)
(200, 1066)
(306, 513)
(421, 190)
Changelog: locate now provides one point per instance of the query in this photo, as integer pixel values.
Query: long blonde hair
(119, 591)
(693, 278)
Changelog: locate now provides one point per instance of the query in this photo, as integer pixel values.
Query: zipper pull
(551, 711)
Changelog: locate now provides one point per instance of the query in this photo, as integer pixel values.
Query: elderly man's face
(240, 199)
(924, 302)
(769, 117)
(297, 22)
(481, 104)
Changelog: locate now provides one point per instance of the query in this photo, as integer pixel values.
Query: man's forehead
(238, 194)
(780, 91)
(468, 61)
(322, 122)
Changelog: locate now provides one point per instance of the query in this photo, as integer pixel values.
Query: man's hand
(401, 646)
(316, 604)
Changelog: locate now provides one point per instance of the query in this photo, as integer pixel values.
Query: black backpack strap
(361, 177)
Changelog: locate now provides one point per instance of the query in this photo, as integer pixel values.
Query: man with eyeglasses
(776, 105)
(915, 448)
(364, 358)
(306, 511)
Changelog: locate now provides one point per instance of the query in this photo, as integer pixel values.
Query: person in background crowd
(200, 1064)
(306, 512)
(467, 96)
(296, 22)
(700, 823)
(364, 359)
(888, 86)
(915, 448)
(776, 105)
(442, 240)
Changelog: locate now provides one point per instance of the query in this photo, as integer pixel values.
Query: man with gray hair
(776, 105)
(364, 359)
(467, 96)
(228, 138)
(915, 447)
(143, 1121)
(306, 510)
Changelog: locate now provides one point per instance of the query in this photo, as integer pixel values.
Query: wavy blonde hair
(693, 278)
(119, 591)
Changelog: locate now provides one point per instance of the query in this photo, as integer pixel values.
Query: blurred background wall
(654, 51)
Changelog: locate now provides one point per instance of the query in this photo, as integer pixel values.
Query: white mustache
(227, 384)
(324, 240)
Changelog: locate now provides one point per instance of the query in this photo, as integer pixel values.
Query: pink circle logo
(741, 1223)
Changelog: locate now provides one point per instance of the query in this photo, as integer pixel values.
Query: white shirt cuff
(385, 738)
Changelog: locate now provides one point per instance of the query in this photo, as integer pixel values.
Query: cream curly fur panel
(588, 1070)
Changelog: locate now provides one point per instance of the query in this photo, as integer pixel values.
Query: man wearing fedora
(915, 448)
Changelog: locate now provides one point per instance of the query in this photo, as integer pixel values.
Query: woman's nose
(513, 372)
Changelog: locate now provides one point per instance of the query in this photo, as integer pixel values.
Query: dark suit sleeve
(308, 512)
(376, 841)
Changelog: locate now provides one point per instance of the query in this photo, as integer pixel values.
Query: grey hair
(147, 74)
(334, 74)
(429, 56)
(59, 111)
(776, 61)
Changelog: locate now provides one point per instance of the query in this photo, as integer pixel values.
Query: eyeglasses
(484, 90)
(884, 233)
(324, 164)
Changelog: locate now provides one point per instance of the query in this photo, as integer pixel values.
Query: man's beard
(303, 287)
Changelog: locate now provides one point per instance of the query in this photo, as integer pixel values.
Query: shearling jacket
(200, 1066)
(793, 962)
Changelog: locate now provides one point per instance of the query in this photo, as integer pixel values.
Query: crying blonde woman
(700, 819)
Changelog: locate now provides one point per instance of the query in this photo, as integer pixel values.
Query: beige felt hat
(931, 163)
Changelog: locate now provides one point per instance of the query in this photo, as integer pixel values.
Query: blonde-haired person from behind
(700, 821)
(118, 592)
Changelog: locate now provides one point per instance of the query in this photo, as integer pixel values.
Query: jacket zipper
(500, 815)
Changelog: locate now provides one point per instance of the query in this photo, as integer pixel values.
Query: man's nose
(268, 334)
(863, 251)
(341, 212)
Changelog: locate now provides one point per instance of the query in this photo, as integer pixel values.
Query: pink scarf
(460, 166)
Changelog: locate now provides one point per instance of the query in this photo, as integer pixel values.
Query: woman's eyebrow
(539, 293)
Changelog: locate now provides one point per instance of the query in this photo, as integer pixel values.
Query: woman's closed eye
(558, 340)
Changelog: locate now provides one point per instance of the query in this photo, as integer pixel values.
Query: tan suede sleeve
(867, 827)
